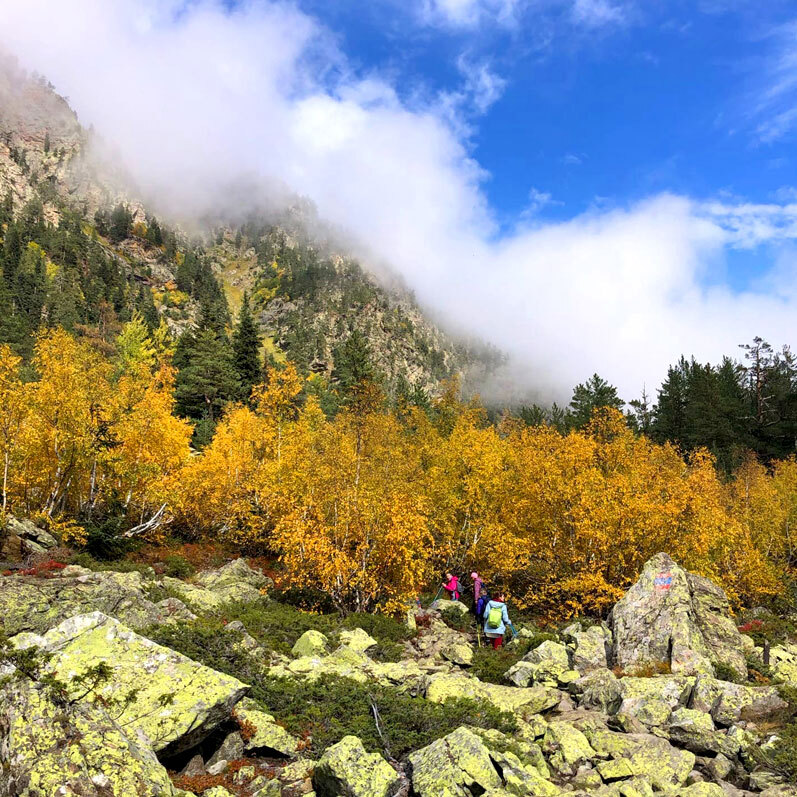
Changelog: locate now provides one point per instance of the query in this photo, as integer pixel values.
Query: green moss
(330, 708)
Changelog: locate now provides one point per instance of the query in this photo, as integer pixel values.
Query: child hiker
(452, 587)
(496, 620)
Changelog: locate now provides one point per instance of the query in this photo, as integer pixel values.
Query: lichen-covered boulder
(443, 605)
(175, 701)
(49, 749)
(567, 746)
(695, 731)
(357, 640)
(674, 690)
(199, 599)
(702, 790)
(728, 703)
(644, 755)
(783, 663)
(33, 604)
(529, 753)
(310, 643)
(265, 735)
(651, 712)
(675, 619)
(590, 648)
(542, 665)
(234, 574)
(458, 652)
(599, 690)
(21, 538)
(520, 779)
(458, 765)
(525, 701)
(346, 770)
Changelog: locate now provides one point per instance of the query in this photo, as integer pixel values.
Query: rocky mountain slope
(307, 295)
(140, 684)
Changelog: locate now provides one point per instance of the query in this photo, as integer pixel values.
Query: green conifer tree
(246, 347)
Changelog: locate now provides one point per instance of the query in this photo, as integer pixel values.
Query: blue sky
(657, 97)
(591, 185)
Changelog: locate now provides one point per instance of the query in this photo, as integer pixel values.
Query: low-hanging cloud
(197, 97)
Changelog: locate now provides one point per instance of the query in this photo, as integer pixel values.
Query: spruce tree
(246, 349)
(353, 363)
(121, 224)
(206, 376)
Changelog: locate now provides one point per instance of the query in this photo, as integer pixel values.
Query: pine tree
(589, 396)
(246, 348)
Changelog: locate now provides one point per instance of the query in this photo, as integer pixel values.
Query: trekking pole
(438, 595)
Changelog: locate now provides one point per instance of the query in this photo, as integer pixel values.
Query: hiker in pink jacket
(451, 586)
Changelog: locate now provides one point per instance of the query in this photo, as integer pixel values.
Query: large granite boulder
(174, 701)
(346, 770)
(589, 649)
(22, 538)
(462, 764)
(640, 755)
(264, 735)
(542, 665)
(600, 690)
(524, 701)
(236, 581)
(71, 749)
(728, 703)
(311, 643)
(676, 620)
(33, 604)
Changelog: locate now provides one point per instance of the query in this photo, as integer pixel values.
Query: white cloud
(469, 13)
(772, 106)
(482, 84)
(597, 13)
(197, 100)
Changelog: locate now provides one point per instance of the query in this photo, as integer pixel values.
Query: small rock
(196, 766)
(231, 749)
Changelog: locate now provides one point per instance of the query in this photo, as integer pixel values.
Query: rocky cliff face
(308, 297)
(90, 706)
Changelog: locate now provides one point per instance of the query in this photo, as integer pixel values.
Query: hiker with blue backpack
(496, 619)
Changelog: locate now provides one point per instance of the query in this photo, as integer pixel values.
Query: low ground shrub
(178, 566)
(783, 755)
(85, 559)
(724, 672)
(766, 627)
(277, 626)
(325, 711)
(208, 641)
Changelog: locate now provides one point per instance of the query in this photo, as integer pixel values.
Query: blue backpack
(484, 599)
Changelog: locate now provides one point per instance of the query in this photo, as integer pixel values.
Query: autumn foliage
(372, 506)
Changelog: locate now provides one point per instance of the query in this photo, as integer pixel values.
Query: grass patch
(330, 708)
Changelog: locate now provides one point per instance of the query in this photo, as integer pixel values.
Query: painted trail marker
(663, 580)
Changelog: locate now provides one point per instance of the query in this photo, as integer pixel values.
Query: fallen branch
(153, 523)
